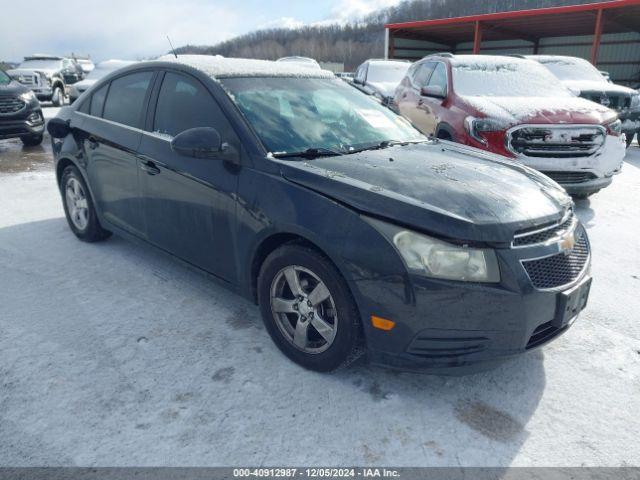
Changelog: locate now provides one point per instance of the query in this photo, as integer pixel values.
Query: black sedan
(346, 226)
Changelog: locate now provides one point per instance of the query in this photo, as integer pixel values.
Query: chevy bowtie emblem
(567, 242)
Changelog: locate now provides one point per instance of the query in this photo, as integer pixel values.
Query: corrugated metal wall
(628, 73)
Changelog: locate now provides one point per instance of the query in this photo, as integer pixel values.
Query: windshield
(4, 78)
(506, 79)
(296, 114)
(392, 72)
(572, 69)
(40, 64)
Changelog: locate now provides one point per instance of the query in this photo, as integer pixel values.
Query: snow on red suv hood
(546, 110)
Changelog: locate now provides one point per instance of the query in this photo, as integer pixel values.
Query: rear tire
(630, 139)
(79, 208)
(57, 98)
(320, 335)
(32, 140)
(582, 196)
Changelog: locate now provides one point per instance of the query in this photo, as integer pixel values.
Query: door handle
(93, 143)
(150, 168)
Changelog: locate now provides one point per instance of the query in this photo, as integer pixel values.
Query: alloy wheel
(303, 309)
(77, 205)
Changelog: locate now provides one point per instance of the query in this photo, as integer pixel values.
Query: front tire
(79, 208)
(307, 308)
(32, 140)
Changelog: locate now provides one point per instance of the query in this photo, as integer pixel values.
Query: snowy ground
(113, 354)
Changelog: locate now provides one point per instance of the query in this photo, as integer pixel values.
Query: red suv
(516, 108)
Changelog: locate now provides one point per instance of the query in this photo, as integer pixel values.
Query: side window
(361, 73)
(422, 73)
(183, 103)
(97, 101)
(439, 77)
(126, 97)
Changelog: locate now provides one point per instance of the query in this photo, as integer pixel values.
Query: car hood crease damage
(433, 188)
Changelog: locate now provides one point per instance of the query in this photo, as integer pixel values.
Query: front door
(411, 102)
(189, 203)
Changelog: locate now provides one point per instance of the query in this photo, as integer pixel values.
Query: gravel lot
(113, 354)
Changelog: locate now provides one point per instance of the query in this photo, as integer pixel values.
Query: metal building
(606, 33)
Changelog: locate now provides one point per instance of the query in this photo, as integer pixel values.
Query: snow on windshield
(392, 72)
(504, 77)
(572, 69)
(40, 64)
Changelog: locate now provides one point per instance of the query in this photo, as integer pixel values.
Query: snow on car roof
(222, 67)
(486, 60)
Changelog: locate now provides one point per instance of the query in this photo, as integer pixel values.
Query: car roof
(566, 58)
(42, 56)
(222, 67)
(382, 60)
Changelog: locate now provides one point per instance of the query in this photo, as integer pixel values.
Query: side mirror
(435, 91)
(203, 142)
(58, 128)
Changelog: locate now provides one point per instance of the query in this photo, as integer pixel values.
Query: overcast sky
(134, 29)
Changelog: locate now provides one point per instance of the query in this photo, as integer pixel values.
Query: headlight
(438, 259)
(28, 97)
(615, 128)
(477, 126)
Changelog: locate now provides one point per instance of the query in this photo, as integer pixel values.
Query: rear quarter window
(97, 101)
(126, 98)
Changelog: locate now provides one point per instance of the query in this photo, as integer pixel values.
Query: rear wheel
(307, 308)
(630, 139)
(32, 140)
(79, 209)
(58, 97)
(582, 196)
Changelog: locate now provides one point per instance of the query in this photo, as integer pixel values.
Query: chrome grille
(546, 234)
(10, 105)
(613, 101)
(560, 269)
(28, 80)
(556, 140)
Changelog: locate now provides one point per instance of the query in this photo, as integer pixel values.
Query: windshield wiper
(309, 153)
(385, 144)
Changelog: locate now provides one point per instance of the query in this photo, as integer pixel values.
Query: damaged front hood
(443, 188)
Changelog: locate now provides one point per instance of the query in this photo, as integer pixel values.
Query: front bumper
(21, 125)
(630, 121)
(43, 93)
(455, 328)
(583, 175)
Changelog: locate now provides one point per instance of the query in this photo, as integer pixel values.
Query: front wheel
(79, 208)
(307, 308)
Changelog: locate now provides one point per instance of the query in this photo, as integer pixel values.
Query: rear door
(112, 130)
(189, 203)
